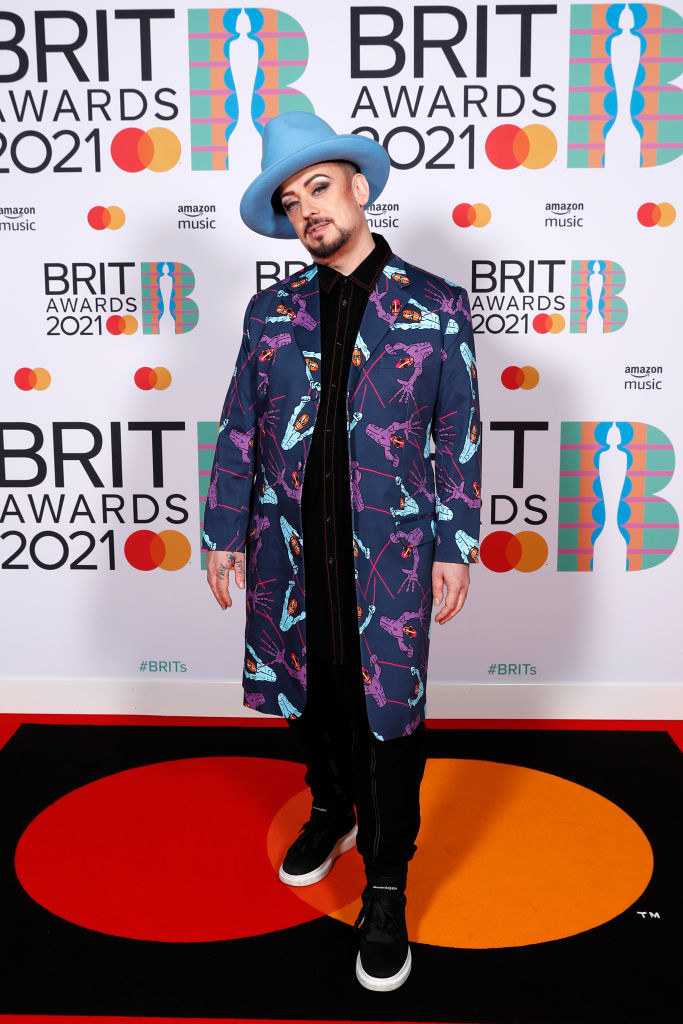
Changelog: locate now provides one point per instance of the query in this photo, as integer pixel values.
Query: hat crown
(285, 134)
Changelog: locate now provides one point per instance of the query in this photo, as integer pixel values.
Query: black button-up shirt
(331, 607)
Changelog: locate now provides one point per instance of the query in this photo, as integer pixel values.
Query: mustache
(313, 224)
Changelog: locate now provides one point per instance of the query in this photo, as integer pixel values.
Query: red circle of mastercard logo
(169, 550)
(525, 551)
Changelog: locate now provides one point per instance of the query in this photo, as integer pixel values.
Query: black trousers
(347, 766)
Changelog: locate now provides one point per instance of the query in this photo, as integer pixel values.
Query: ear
(360, 188)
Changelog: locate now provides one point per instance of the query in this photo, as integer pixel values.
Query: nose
(309, 206)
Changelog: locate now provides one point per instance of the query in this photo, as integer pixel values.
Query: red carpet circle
(168, 852)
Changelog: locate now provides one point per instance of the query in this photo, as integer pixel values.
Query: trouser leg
(324, 733)
(386, 778)
(346, 765)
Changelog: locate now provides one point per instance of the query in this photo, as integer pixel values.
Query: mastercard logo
(525, 377)
(134, 150)
(501, 551)
(548, 323)
(101, 217)
(508, 146)
(471, 215)
(27, 379)
(652, 215)
(122, 324)
(147, 378)
(169, 550)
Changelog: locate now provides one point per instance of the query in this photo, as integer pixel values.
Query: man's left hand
(455, 577)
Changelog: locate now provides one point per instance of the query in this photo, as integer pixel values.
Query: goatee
(329, 246)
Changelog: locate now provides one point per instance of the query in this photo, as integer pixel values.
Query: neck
(351, 255)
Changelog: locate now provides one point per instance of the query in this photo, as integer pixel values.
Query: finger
(220, 582)
(239, 570)
(455, 599)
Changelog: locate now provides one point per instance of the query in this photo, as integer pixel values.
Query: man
(323, 496)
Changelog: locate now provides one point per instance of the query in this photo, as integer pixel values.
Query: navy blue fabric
(413, 372)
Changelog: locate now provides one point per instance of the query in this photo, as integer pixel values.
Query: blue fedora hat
(292, 141)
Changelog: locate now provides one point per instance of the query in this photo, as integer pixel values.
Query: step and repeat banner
(536, 160)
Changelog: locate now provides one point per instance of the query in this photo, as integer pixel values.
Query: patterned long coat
(413, 372)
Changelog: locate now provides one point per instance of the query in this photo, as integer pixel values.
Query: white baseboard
(445, 700)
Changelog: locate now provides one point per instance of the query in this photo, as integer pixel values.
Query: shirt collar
(366, 273)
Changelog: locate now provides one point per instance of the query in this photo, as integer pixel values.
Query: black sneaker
(320, 841)
(384, 958)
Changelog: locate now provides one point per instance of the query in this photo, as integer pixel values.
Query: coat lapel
(385, 305)
(300, 297)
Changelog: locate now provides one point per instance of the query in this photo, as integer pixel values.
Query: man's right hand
(218, 567)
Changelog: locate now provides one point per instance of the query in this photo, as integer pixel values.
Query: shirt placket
(332, 553)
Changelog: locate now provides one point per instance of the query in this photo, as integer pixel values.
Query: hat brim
(256, 209)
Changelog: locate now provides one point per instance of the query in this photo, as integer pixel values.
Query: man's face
(324, 207)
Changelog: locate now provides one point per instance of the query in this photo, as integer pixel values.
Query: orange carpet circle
(507, 856)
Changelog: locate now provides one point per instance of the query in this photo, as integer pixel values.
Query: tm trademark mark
(648, 913)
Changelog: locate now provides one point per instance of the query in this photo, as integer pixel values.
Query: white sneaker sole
(343, 844)
(383, 984)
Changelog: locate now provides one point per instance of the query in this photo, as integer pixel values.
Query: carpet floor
(138, 876)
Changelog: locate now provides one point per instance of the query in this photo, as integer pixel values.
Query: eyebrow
(318, 174)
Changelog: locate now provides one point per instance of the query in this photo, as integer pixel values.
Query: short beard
(328, 248)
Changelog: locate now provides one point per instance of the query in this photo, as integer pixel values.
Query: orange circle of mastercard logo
(525, 377)
(533, 147)
(101, 217)
(27, 379)
(550, 860)
(501, 551)
(147, 378)
(659, 214)
(466, 215)
(147, 550)
(134, 150)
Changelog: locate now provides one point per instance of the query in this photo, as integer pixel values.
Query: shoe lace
(311, 833)
(379, 912)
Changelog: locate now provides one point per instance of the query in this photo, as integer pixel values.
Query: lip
(318, 228)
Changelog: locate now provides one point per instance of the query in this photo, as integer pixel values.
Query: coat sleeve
(457, 440)
(227, 508)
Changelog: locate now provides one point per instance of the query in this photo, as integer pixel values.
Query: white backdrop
(555, 136)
